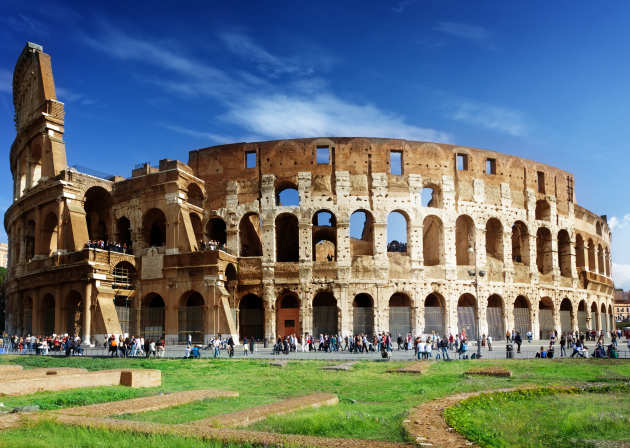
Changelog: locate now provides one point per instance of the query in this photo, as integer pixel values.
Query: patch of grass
(546, 417)
(47, 434)
(373, 402)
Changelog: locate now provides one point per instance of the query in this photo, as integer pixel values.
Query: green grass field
(373, 403)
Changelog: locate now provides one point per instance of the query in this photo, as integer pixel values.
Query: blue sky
(143, 81)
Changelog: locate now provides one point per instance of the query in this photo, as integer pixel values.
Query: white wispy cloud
(303, 105)
(280, 116)
(621, 275)
(5, 81)
(465, 31)
(208, 136)
(402, 5)
(619, 223)
(502, 119)
(70, 96)
(243, 46)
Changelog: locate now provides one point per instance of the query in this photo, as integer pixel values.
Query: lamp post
(472, 249)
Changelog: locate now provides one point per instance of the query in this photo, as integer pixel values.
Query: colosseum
(271, 238)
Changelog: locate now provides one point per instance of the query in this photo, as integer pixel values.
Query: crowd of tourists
(132, 347)
(211, 245)
(41, 345)
(109, 246)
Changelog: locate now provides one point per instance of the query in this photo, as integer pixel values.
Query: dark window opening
(289, 323)
(491, 166)
(462, 162)
(541, 182)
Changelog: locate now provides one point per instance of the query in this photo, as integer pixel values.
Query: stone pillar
(86, 323)
(343, 242)
(171, 316)
(344, 303)
(36, 323)
(269, 308)
(450, 258)
(555, 261)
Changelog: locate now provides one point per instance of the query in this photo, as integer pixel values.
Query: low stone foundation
(64, 380)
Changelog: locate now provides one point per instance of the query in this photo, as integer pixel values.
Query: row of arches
(46, 321)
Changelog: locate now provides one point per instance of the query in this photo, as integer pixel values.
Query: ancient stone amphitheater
(319, 235)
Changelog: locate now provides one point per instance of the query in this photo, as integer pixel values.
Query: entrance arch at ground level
(399, 315)
(251, 317)
(288, 315)
(434, 315)
(325, 314)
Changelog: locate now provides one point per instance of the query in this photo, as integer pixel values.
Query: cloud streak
(500, 119)
(619, 223)
(301, 106)
(5, 81)
(464, 31)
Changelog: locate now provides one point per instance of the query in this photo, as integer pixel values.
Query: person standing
(563, 345)
(518, 340)
(489, 343)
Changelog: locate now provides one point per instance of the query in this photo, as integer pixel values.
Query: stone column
(86, 323)
(269, 308)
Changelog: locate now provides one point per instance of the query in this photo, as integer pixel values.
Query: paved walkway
(528, 350)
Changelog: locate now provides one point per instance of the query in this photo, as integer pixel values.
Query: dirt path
(255, 414)
(144, 404)
(418, 368)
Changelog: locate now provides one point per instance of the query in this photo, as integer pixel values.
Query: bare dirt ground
(417, 368)
(490, 371)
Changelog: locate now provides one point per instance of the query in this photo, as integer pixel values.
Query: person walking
(563, 346)
(489, 343)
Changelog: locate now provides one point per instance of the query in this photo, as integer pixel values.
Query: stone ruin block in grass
(490, 371)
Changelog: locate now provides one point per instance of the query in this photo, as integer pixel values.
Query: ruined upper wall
(363, 156)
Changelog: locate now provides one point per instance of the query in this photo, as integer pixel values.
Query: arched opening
(324, 236)
(579, 251)
(494, 317)
(433, 241)
(600, 260)
(29, 239)
(564, 253)
(607, 262)
(195, 195)
(98, 207)
(48, 315)
(544, 259)
(435, 314)
(522, 321)
(124, 276)
(582, 316)
(123, 233)
(467, 316)
(591, 255)
(397, 232)
(154, 228)
(50, 232)
(126, 313)
(324, 314)
(604, 320)
(230, 273)
(287, 195)
(545, 317)
(543, 211)
(195, 222)
(27, 316)
(594, 321)
(598, 228)
(72, 311)
(361, 233)
(566, 315)
(464, 239)
(363, 315)
(431, 197)
(287, 238)
(494, 239)
(251, 318)
(191, 318)
(216, 231)
(399, 315)
(152, 317)
(250, 232)
(520, 243)
(288, 315)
